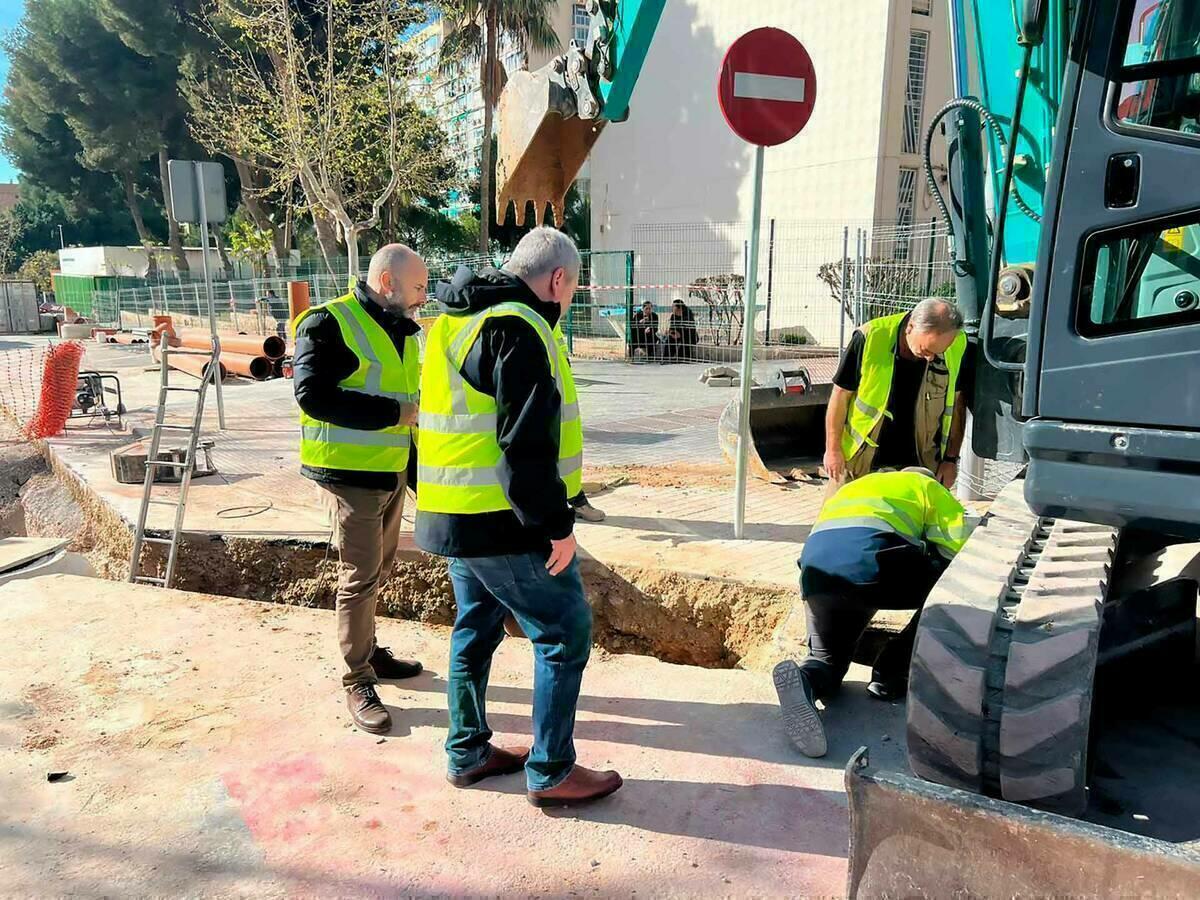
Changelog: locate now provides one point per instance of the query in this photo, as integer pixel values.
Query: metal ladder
(153, 463)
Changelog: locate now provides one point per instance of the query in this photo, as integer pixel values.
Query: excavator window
(1159, 77)
(1148, 278)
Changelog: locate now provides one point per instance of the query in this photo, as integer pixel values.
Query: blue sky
(10, 14)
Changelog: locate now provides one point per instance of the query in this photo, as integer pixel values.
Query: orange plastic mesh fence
(37, 387)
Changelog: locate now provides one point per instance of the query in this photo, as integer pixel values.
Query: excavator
(1072, 192)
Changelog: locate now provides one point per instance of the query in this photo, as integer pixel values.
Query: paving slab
(209, 752)
(17, 551)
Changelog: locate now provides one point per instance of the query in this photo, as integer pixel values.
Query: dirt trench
(674, 617)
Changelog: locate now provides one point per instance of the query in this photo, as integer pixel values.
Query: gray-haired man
(899, 395)
(501, 453)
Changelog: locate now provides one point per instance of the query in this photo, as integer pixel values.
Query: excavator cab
(1081, 573)
(1110, 387)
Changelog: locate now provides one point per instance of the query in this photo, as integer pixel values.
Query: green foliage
(39, 267)
(247, 241)
(792, 338)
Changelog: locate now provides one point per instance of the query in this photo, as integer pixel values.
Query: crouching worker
(881, 542)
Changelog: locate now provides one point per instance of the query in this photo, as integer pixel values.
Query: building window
(582, 23)
(922, 7)
(906, 206)
(914, 97)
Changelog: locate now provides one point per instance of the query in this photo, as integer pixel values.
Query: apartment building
(454, 96)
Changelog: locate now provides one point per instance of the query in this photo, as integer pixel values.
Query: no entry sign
(768, 87)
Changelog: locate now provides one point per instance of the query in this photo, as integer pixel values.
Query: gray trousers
(366, 532)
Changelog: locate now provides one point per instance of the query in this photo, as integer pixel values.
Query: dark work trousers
(837, 614)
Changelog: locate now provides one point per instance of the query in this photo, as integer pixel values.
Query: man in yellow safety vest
(501, 453)
(899, 395)
(357, 378)
(880, 542)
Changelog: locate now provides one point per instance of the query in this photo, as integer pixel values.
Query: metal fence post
(858, 277)
(929, 265)
(629, 303)
(770, 279)
(843, 297)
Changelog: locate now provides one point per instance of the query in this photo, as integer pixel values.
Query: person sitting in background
(682, 336)
(643, 332)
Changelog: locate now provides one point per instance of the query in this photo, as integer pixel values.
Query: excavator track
(1003, 668)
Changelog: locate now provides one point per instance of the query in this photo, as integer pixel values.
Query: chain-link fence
(816, 283)
(260, 306)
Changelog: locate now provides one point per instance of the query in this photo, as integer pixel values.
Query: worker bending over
(880, 542)
(356, 379)
(899, 396)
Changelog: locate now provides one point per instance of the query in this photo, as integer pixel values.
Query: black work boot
(801, 720)
(367, 710)
(389, 668)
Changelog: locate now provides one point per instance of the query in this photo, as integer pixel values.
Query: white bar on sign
(768, 87)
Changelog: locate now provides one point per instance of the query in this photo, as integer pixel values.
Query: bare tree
(313, 92)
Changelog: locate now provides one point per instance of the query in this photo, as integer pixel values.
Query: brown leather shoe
(501, 761)
(367, 710)
(580, 786)
(511, 628)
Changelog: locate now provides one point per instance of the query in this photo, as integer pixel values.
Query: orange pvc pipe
(257, 367)
(271, 346)
(298, 299)
(192, 363)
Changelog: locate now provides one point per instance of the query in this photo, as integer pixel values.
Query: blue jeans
(554, 614)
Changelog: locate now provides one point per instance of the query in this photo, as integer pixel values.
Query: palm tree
(473, 36)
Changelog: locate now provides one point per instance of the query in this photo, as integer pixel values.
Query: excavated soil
(677, 618)
(675, 475)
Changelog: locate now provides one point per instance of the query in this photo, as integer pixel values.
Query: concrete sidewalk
(209, 752)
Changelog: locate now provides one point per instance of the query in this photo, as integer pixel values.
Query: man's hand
(408, 414)
(561, 554)
(947, 473)
(835, 463)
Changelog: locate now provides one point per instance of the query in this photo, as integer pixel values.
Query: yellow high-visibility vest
(909, 504)
(875, 385)
(457, 469)
(381, 372)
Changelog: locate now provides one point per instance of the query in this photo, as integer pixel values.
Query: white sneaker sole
(801, 721)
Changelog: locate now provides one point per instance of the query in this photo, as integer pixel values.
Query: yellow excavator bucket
(541, 144)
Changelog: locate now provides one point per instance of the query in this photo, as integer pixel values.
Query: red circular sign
(768, 87)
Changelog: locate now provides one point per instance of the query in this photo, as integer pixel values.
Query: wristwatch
(950, 459)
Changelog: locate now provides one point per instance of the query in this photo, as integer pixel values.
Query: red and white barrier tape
(654, 287)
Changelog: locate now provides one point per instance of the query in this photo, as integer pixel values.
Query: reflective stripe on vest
(457, 471)
(870, 404)
(909, 504)
(381, 372)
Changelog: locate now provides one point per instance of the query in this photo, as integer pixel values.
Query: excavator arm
(551, 118)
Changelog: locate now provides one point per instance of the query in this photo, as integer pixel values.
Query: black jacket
(508, 361)
(321, 361)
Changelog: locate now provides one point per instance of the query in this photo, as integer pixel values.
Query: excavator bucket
(542, 144)
(787, 426)
(913, 838)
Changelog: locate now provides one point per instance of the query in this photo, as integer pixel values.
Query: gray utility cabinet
(18, 308)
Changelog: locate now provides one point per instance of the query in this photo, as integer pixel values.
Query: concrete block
(722, 381)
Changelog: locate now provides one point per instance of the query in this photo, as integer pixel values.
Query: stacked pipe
(248, 355)
(192, 362)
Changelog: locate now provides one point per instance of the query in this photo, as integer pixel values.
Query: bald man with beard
(357, 381)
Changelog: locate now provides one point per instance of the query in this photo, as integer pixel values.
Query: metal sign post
(198, 195)
(739, 499)
(767, 91)
(214, 368)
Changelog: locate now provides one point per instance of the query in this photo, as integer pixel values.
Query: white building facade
(674, 174)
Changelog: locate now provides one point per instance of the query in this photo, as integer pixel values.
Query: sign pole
(743, 444)
(215, 366)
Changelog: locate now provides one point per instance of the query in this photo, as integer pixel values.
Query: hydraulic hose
(985, 114)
